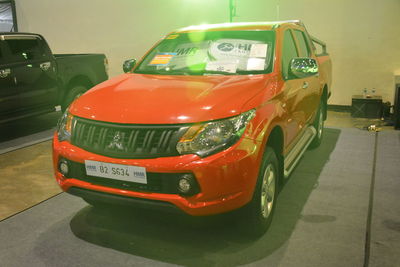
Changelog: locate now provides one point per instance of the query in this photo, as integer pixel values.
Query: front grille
(166, 183)
(128, 141)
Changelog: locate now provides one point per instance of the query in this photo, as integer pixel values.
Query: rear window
(25, 49)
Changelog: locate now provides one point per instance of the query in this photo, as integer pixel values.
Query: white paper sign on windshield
(231, 48)
(235, 49)
(223, 66)
(258, 50)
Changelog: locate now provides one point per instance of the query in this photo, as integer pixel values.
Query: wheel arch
(275, 140)
(79, 80)
(75, 81)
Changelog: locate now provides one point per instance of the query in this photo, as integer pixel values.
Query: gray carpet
(385, 230)
(320, 220)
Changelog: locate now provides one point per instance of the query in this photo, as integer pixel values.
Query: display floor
(327, 215)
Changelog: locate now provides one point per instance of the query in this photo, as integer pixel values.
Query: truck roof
(267, 25)
(18, 34)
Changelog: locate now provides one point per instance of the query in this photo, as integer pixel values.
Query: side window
(288, 53)
(22, 50)
(304, 49)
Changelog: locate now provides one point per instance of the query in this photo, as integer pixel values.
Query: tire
(73, 94)
(262, 206)
(319, 126)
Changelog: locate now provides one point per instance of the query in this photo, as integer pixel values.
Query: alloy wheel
(320, 124)
(268, 191)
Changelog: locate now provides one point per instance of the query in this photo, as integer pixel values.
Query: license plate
(116, 171)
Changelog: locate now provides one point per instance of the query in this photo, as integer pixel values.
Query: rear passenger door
(310, 93)
(34, 71)
(8, 93)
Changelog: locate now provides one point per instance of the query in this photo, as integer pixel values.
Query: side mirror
(128, 65)
(303, 67)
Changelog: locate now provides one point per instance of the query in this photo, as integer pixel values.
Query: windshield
(213, 52)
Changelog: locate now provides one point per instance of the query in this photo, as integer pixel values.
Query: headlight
(211, 137)
(64, 127)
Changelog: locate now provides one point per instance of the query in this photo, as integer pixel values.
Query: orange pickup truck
(213, 118)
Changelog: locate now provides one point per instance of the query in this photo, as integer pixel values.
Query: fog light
(63, 166)
(185, 184)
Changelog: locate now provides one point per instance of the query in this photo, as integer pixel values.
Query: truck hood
(160, 99)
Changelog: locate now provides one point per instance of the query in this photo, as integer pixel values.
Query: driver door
(310, 98)
(292, 91)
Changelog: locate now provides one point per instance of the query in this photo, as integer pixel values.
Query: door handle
(4, 73)
(305, 85)
(45, 66)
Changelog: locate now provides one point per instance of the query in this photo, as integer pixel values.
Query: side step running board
(295, 154)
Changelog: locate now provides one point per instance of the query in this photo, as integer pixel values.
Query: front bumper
(226, 179)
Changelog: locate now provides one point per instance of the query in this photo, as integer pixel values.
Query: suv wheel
(261, 208)
(319, 126)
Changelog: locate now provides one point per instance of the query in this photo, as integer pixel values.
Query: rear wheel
(262, 207)
(319, 126)
(73, 94)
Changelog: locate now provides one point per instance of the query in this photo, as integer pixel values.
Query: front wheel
(262, 206)
(319, 126)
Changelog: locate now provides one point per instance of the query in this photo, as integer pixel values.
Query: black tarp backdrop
(8, 21)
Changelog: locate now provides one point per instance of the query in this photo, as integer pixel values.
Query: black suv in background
(34, 81)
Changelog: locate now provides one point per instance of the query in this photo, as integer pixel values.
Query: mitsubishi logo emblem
(116, 143)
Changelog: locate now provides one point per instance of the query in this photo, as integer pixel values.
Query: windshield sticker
(188, 54)
(256, 64)
(173, 36)
(258, 50)
(161, 59)
(223, 66)
(231, 48)
(190, 49)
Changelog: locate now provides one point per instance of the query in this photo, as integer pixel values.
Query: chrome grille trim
(128, 141)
